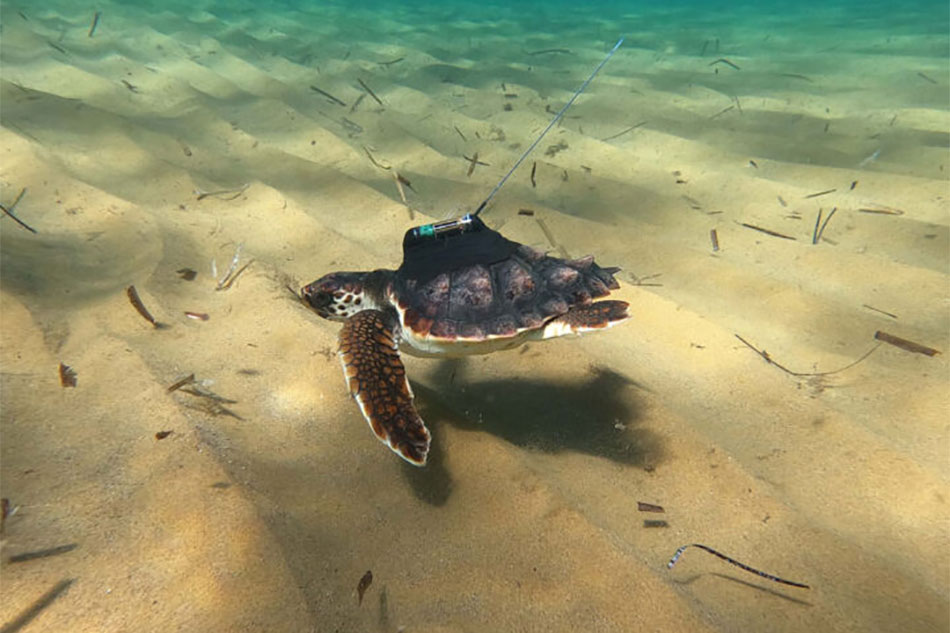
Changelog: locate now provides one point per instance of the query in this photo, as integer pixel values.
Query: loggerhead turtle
(462, 289)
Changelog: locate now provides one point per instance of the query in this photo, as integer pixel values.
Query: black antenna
(557, 117)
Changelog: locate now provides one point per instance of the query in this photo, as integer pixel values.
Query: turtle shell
(497, 299)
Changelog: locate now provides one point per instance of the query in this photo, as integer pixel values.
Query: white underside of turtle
(437, 347)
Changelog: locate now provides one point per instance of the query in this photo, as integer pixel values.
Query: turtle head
(338, 296)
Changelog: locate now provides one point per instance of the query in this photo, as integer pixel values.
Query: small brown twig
(904, 344)
(328, 96)
(402, 193)
(95, 23)
(187, 380)
(223, 194)
(766, 231)
(821, 231)
(369, 90)
(136, 302)
(67, 375)
(643, 281)
(227, 282)
(233, 271)
(884, 312)
(723, 60)
(882, 211)
(629, 129)
(374, 161)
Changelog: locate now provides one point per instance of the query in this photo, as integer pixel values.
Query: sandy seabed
(262, 513)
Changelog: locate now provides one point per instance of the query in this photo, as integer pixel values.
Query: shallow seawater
(747, 396)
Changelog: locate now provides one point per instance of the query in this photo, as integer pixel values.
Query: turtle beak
(317, 299)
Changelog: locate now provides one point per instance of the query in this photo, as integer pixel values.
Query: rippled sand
(263, 514)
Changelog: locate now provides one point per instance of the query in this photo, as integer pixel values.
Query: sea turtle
(461, 289)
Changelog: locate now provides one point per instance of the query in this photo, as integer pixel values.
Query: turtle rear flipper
(377, 381)
(599, 315)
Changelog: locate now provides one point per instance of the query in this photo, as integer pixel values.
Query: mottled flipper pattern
(587, 318)
(377, 380)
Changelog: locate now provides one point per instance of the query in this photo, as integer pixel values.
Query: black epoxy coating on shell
(425, 257)
(521, 291)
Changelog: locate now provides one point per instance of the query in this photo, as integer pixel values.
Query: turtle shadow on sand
(597, 415)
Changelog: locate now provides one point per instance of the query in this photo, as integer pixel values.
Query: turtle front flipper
(377, 380)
